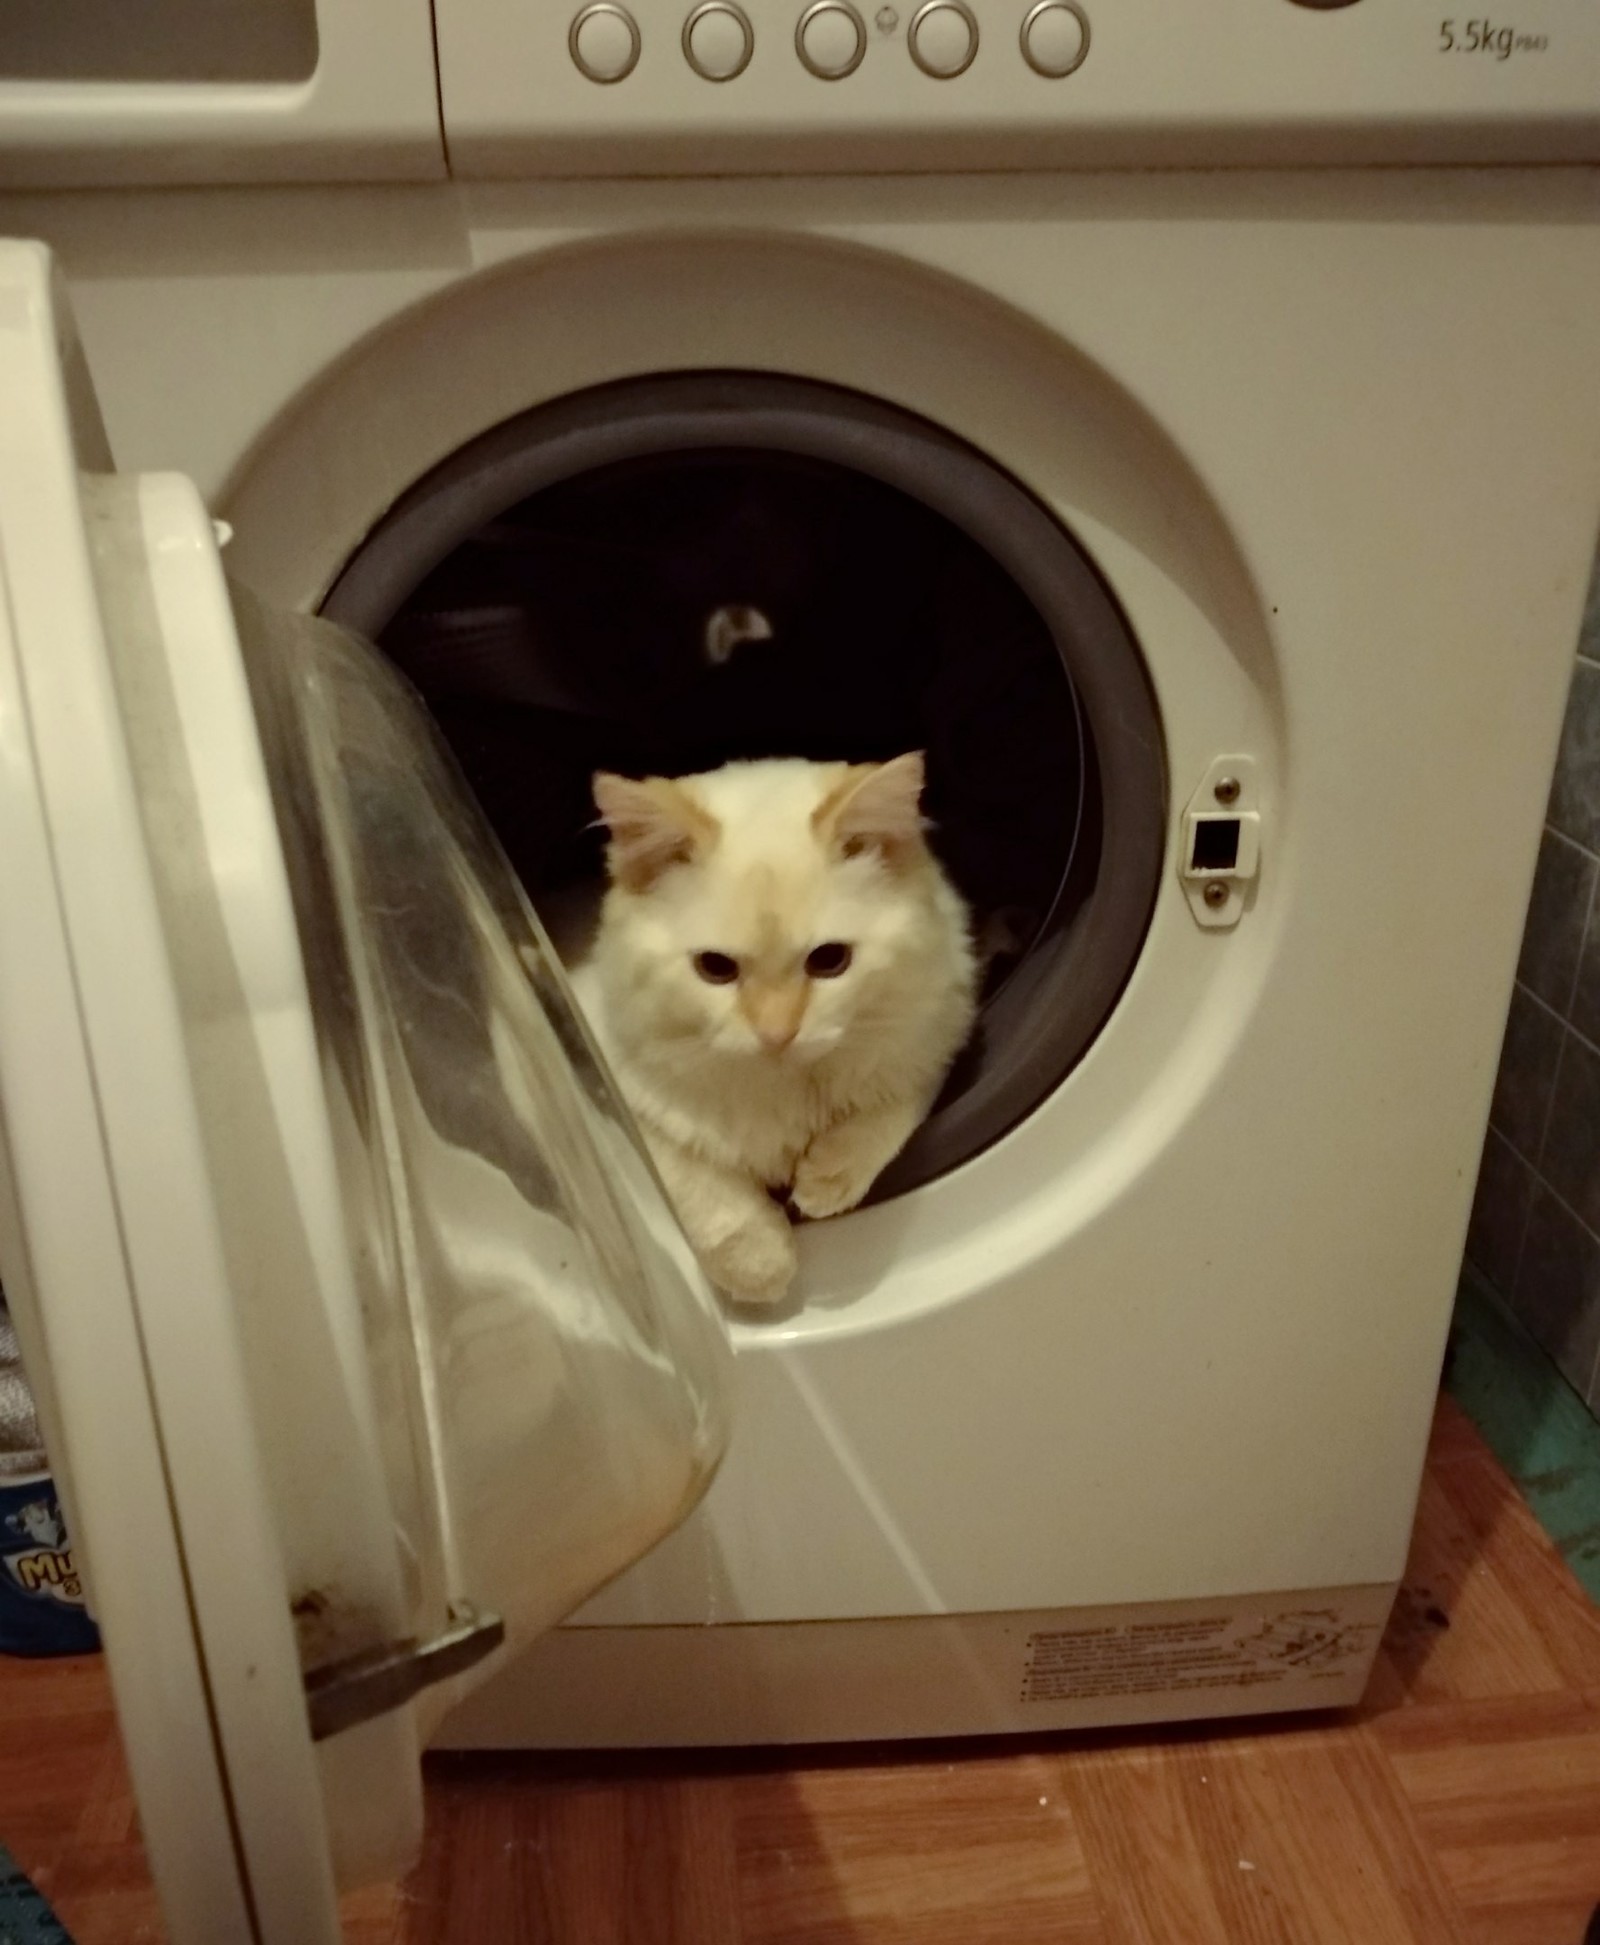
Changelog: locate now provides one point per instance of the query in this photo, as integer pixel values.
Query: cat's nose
(774, 1013)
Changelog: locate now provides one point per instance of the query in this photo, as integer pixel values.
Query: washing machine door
(366, 1344)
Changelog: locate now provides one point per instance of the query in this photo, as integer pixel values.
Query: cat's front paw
(832, 1177)
(756, 1264)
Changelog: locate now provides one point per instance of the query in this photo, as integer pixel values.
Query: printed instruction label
(1180, 1655)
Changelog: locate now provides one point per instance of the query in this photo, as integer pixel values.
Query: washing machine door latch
(1219, 855)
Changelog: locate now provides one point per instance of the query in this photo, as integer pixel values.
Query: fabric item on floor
(25, 1918)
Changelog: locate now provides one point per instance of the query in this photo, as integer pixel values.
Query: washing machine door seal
(1053, 1006)
(310, 1343)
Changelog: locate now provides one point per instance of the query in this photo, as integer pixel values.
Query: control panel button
(831, 39)
(604, 41)
(943, 37)
(718, 40)
(1055, 38)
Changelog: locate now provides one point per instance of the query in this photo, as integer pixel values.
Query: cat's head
(766, 909)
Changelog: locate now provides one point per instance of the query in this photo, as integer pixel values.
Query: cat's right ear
(653, 825)
(876, 807)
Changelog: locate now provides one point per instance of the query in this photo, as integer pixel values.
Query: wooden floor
(1461, 1803)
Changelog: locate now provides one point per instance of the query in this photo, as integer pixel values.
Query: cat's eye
(828, 961)
(717, 968)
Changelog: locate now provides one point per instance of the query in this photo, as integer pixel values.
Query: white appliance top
(353, 90)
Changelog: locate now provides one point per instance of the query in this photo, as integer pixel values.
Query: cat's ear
(876, 807)
(653, 824)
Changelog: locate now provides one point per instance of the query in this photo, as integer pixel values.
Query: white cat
(781, 977)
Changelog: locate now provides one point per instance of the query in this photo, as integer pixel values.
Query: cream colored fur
(778, 1080)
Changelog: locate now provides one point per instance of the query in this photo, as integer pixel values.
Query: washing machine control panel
(717, 87)
(713, 86)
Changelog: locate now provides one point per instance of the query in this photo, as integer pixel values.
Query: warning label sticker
(1177, 1656)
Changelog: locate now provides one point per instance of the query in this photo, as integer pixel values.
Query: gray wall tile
(1563, 890)
(1575, 795)
(1528, 1059)
(1558, 1287)
(1585, 1010)
(1500, 1213)
(1535, 1231)
(1570, 1162)
(1589, 631)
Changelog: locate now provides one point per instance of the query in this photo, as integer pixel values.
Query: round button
(604, 42)
(718, 40)
(943, 38)
(831, 39)
(1055, 38)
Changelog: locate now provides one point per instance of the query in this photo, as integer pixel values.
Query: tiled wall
(1536, 1223)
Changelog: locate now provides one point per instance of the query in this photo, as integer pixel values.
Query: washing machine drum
(663, 575)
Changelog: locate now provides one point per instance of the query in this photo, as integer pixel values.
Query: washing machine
(1185, 428)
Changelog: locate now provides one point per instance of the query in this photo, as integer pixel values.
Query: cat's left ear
(878, 807)
(653, 824)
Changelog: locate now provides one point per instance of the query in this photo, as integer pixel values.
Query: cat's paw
(756, 1264)
(832, 1177)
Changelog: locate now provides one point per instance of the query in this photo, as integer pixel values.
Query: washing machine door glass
(366, 1343)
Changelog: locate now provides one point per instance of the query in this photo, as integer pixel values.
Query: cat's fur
(777, 1082)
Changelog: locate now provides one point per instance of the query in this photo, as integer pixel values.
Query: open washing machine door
(364, 1337)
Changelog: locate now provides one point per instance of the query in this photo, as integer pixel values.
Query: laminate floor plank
(980, 1849)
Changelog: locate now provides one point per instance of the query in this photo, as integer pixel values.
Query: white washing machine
(1190, 427)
